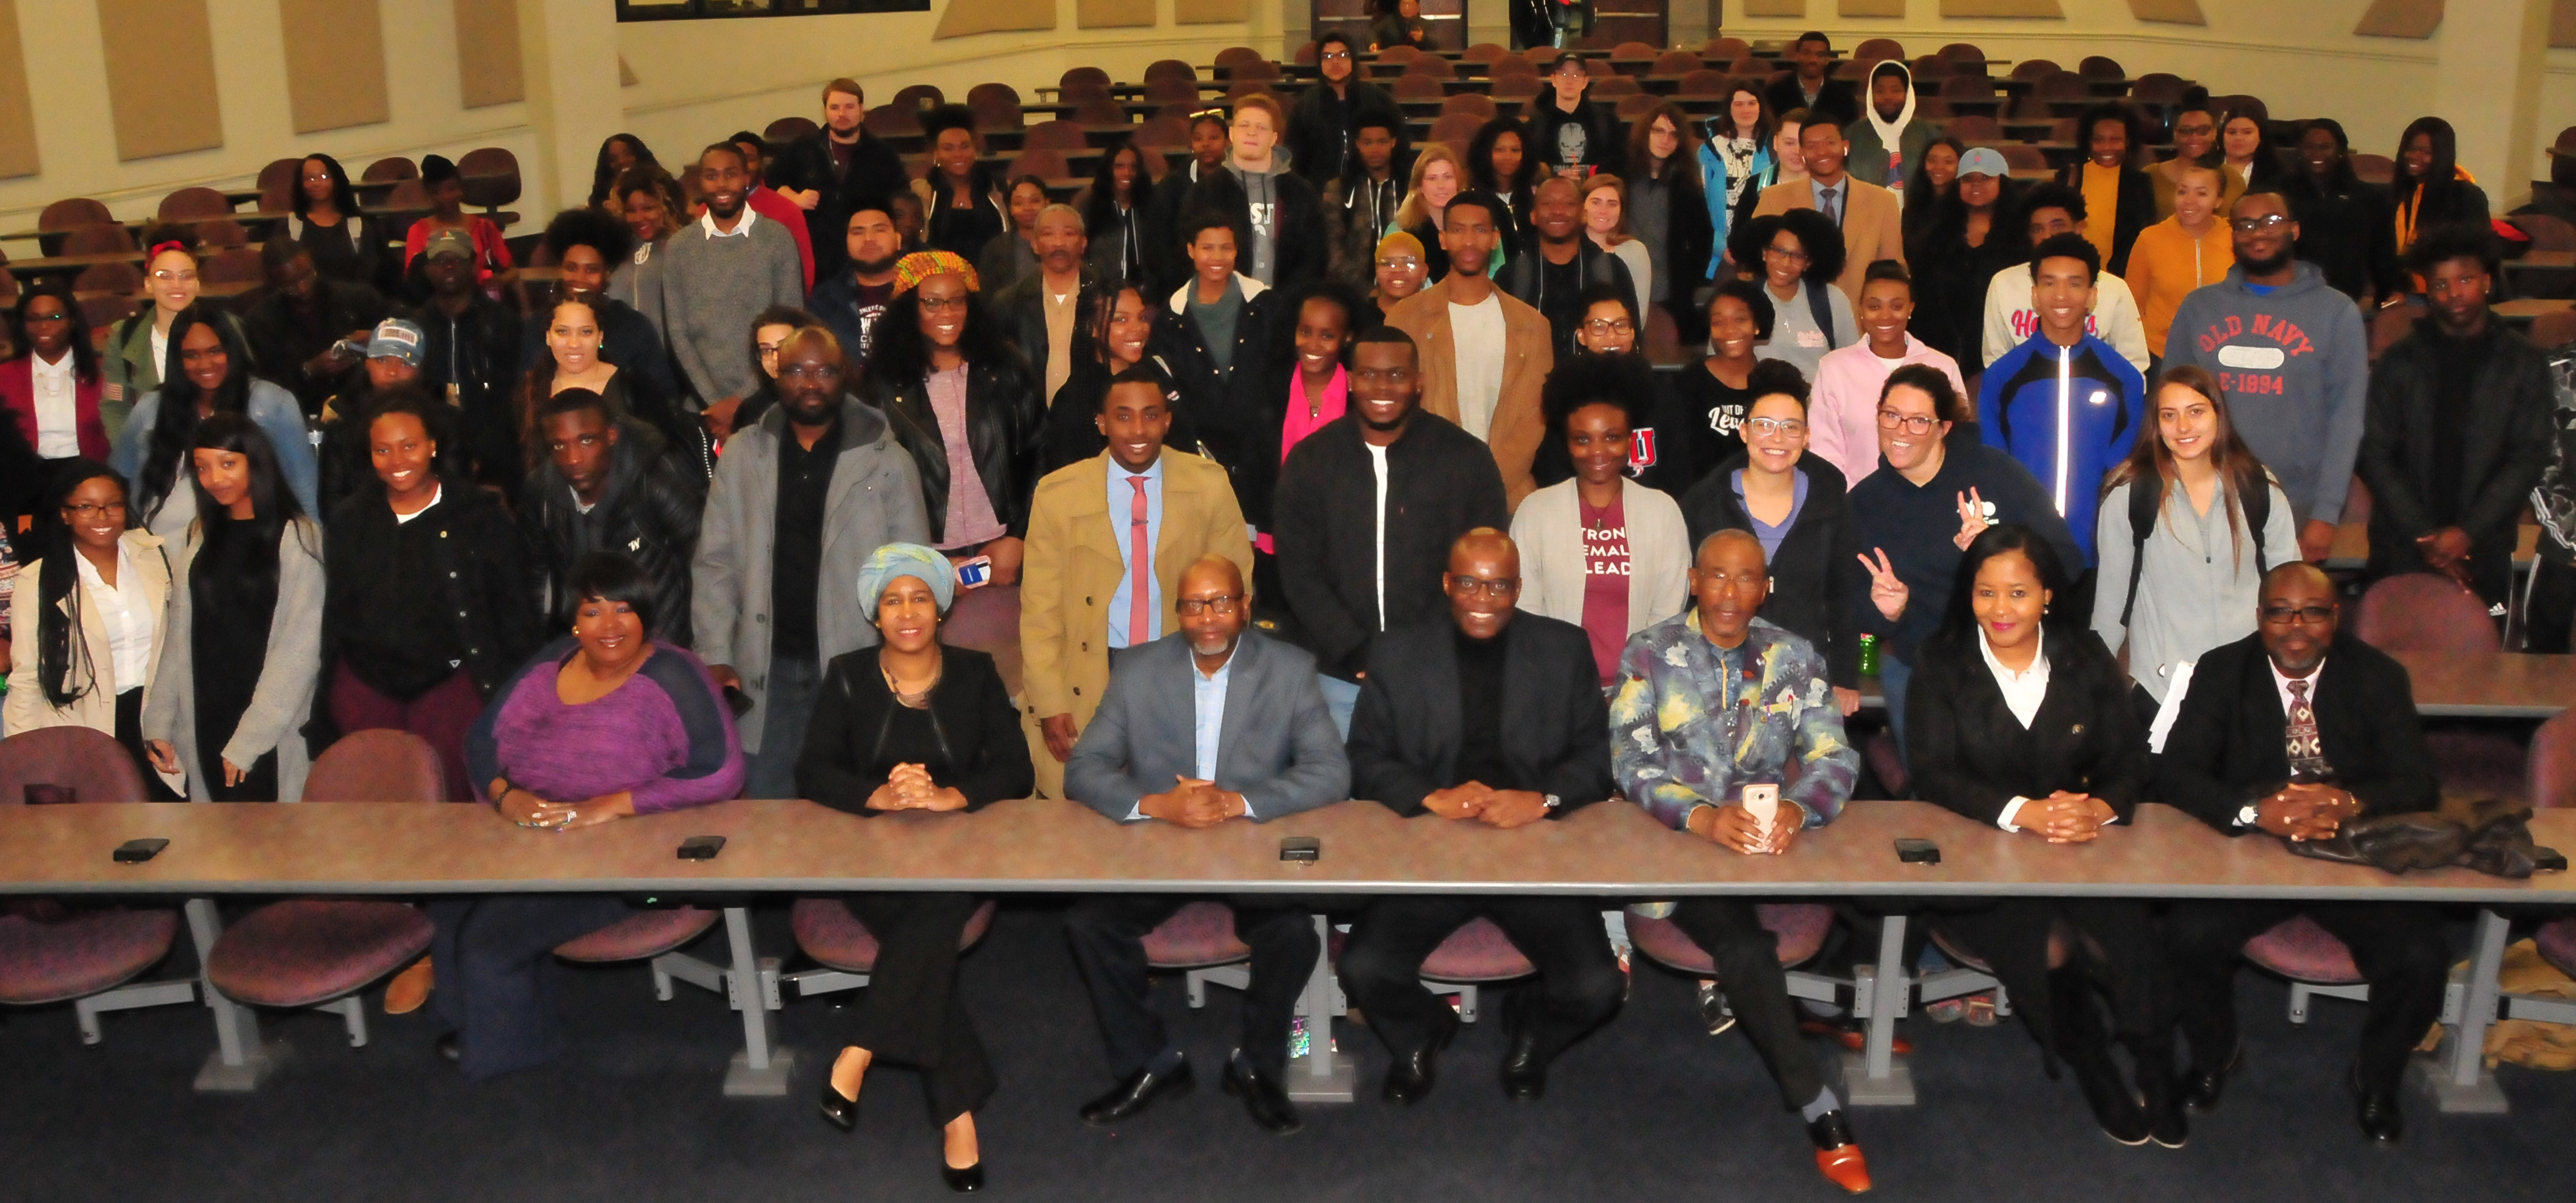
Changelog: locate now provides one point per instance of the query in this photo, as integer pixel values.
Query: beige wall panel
(17, 112)
(335, 63)
(160, 76)
(2170, 12)
(487, 53)
(2400, 19)
(1871, 8)
(1775, 8)
(1112, 14)
(1210, 12)
(2042, 9)
(965, 18)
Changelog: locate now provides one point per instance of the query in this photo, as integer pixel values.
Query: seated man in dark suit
(2295, 730)
(1493, 716)
(1209, 724)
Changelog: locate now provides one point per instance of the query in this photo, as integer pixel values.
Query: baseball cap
(449, 242)
(395, 338)
(1983, 160)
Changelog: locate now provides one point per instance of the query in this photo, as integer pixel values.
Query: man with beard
(304, 331)
(1485, 355)
(2460, 426)
(829, 172)
(1367, 507)
(2293, 356)
(1213, 724)
(1561, 263)
(1041, 310)
(799, 501)
(605, 486)
(854, 294)
(733, 265)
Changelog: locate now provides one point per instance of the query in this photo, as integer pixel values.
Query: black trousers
(494, 960)
(2553, 607)
(129, 732)
(911, 1013)
(2398, 947)
(1578, 976)
(1748, 967)
(2012, 937)
(1108, 937)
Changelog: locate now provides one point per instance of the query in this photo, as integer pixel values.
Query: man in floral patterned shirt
(1710, 702)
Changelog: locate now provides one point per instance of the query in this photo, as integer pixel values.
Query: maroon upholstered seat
(2557, 944)
(88, 952)
(830, 934)
(638, 937)
(310, 950)
(1801, 927)
(1960, 953)
(1198, 935)
(1477, 952)
(90, 762)
(378, 765)
(2300, 950)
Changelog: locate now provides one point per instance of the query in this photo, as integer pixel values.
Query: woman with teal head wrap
(912, 724)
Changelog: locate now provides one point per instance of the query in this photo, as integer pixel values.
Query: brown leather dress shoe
(409, 989)
(1837, 1154)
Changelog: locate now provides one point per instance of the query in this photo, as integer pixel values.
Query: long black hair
(612, 576)
(1918, 217)
(343, 197)
(603, 172)
(84, 356)
(1100, 203)
(2338, 182)
(58, 588)
(898, 356)
(273, 510)
(1959, 622)
(2442, 174)
(1517, 191)
(174, 427)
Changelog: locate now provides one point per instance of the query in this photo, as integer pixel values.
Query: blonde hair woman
(1437, 176)
(1605, 222)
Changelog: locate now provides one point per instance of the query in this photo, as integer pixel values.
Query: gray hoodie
(1261, 188)
(2295, 363)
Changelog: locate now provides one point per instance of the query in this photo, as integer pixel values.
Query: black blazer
(1556, 725)
(2227, 747)
(1971, 755)
(1839, 97)
(1441, 483)
(2506, 434)
(975, 744)
(1817, 572)
(1005, 425)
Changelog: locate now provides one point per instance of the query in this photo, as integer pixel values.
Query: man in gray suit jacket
(773, 591)
(1211, 724)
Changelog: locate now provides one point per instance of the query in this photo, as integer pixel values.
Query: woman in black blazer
(914, 725)
(2019, 717)
(2111, 139)
(1816, 577)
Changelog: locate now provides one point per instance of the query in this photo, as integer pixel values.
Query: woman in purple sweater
(601, 726)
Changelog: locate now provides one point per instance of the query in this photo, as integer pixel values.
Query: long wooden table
(1611, 851)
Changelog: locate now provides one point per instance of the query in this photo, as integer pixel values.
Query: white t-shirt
(160, 355)
(1478, 331)
(1377, 464)
(123, 610)
(2010, 320)
(435, 493)
(57, 406)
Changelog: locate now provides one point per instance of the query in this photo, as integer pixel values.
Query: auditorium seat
(1056, 135)
(1419, 87)
(2035, 68)
(2095, 66)
(995, 106)
(1074, 77)
(847, 951)
(785, 130)
(1171, 90)
(1474, 956)
(1477, 103)
(1877, 49)
(1199, 941)
(1171, 68)
(2553, 787)
(1514, 89)
(1484, 52)
(193, 202)
(278, 183)
(109, 239)
(388, 170)
(1702, 84)
(222, 233)
(1431, 66)
(1637, 104)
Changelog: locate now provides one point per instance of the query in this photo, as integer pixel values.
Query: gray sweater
(2199, 589)
(287, 676)
(2296, 366)
(713, 287)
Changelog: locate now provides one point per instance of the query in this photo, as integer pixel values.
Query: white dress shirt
(128, 618)
(741, 229)
(2023, 692)
(57, 406)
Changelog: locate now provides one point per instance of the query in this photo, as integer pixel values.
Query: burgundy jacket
(18, 395)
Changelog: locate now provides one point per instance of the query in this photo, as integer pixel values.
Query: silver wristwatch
(2245, 816)
(1552, 801)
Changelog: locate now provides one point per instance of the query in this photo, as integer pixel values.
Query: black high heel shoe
(966, 1181)
(840, 1112)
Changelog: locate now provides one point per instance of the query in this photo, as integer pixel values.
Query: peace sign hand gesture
(1972, 519)
(1886, 592)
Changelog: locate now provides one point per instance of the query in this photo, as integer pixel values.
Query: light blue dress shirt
(1208, 697)
(1122, 500)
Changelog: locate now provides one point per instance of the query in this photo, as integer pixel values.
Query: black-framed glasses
(1889, 419)
(2309, 615)
(2248, 225)
(1476, 586)
(1192, 607)
(1785, 253)
(86, 510)
(1609, 325)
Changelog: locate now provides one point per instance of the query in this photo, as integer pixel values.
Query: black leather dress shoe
(1410, 1078)
(2377, 1111)
(966, 1181)
(1524, 1071)
(2201, 1088)
(449, 1050)
(842, 1113)
(1138, 1092)
(1263, 1097)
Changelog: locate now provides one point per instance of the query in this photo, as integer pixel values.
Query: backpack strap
(2258, 515)
(2144, 495)
(1821, 308)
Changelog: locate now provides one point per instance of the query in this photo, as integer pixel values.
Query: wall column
(568, 51)
(2487, 85)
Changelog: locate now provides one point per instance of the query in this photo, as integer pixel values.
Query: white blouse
(57, 407)
(2023, 692)
(127, 615)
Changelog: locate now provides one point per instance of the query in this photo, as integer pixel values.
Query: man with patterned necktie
(2295, 730)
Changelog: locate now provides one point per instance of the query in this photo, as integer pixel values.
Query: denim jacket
(1683, 700)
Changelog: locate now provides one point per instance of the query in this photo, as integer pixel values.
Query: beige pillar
(2487, 85)
(568, 50)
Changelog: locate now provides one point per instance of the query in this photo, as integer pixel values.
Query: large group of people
(1329, 467)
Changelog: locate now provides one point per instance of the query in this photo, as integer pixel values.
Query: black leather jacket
(1005, 426)
(647, 509)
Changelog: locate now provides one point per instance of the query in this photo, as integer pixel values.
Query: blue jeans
(1340, 697)
(1893, 674)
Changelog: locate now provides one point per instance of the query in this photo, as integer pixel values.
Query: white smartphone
(1762, 801)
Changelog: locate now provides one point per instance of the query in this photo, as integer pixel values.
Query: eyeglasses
(808, 371)
(942, 304)
(1219, 114)
(2310, 615)
(86, 510)
(1402, 263)
(2196, 131)
(1779, 427)
(1889, 419)
(1497, 588)
(1337, 56)
(1786, 254)
(1609, 325)
(2249, 225)
(1192, 607)
(167, 276)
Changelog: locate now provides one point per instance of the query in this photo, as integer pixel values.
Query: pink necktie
(1140, 570)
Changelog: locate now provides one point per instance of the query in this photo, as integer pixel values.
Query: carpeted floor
(1647, 1108)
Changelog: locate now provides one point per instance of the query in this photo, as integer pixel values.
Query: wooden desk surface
(1038, 845)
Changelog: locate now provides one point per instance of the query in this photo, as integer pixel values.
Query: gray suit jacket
(1277, 746)
(874, 500)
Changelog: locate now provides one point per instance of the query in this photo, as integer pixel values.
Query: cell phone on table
(1918, 852)
(701, 847)
(1303, 849)
(975, 573)
(135, 852)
